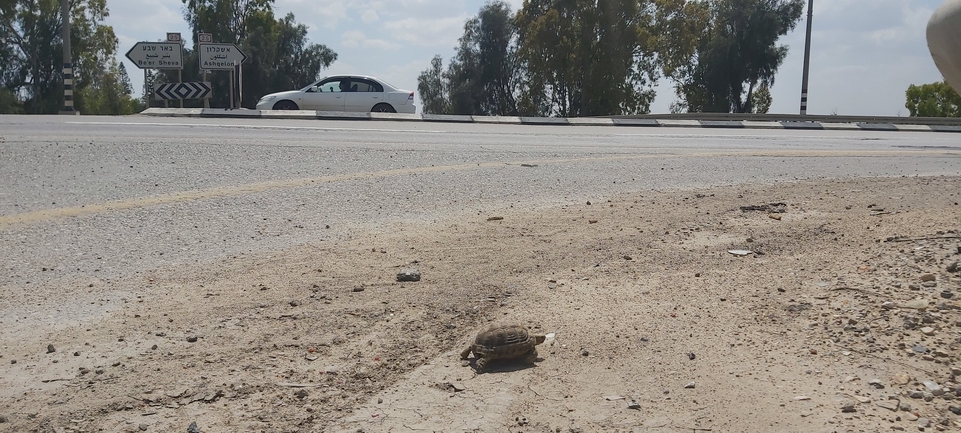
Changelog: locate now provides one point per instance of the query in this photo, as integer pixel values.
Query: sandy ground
(842, 315)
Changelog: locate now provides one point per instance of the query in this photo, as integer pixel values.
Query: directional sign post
(194, 90)
(157, 55)
(220, 56)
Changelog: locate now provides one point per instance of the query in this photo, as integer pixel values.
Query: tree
(31, 56)
(433, 89)
(109, 93)
(279, 55)
(586, 57)
(724, 49)
(933, 100)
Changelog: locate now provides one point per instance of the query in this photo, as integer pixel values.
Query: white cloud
(370, 16)
(357, 39)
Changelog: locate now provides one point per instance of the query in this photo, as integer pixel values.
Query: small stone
(301, 394)
(633, 404)
(889, 305)
(891, 405)
(901, 379)
(927, 396)
(143, 427)
(802, 398)
(904, 406)
(192, 339)
(848, 408)
(924, 423)
(920, 349)
(955, 410)
(916, 394)
(851, 379)
(294, 303)
(408, 275)
(457, 387)
(927, 330)
(50, 348)
(876, 383)
(932, 387)
(358, 289)
(947, 294)
(916, 304)
(928, 277)
(689, 385)
(862, 399)
(613, 397)
(954, 267)
(910, 417)
(192, 428)
(13, 361)
(3, 419)
(584, 352)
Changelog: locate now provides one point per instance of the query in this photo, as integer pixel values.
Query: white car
(357, 93)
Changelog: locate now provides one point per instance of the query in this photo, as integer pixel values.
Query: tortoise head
(538, 339)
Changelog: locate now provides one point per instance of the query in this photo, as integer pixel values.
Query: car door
(325, 95)
(363, 95)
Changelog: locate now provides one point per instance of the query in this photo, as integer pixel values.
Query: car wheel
(383, 108)
(286, 105)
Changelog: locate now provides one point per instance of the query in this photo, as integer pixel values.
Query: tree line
(603, 57)
(550, 58)
(31, 55)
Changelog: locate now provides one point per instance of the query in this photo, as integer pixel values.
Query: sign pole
(180, 79)
(146, 93)
(207, 99)
(231, 90)
(240, 84)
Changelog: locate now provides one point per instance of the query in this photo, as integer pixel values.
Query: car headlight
(267, 98)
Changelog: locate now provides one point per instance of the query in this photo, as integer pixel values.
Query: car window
(332, 85)
(366, 86)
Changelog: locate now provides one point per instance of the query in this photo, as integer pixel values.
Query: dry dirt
(846, 304)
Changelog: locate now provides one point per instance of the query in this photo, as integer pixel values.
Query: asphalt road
(104, 197)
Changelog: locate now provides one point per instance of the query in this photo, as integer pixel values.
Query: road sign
(220, 56)
(174, 38)
(195, 90)
(205, 38)
(157, 55)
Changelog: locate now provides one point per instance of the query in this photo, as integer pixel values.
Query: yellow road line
(238, 190)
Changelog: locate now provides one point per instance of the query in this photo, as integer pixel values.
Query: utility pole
(67, 61)
(807, 61)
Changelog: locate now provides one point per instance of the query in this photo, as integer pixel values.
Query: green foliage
(482, 77)
(279, 55)
(586, 57)
(761, 100)
(721, 51)
(31, 52)
(432, 88)
(9, 104)
(109, 93)
(933, 100)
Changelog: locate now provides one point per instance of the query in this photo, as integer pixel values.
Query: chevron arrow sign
(195, 90)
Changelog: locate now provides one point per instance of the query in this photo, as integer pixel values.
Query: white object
(944, 41)
(343, 93)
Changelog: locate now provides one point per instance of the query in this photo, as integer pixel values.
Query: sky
(864, 53)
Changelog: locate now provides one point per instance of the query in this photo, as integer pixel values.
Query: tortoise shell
(503, 342)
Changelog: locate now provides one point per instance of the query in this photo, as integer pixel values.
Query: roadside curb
(669, 121)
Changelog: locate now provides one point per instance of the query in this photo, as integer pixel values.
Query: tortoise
(503, 342)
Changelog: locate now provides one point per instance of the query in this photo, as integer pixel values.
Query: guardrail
(687, 120)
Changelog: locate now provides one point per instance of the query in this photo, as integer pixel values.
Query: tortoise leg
(480, 364)
(531, 356)
(466, 352)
